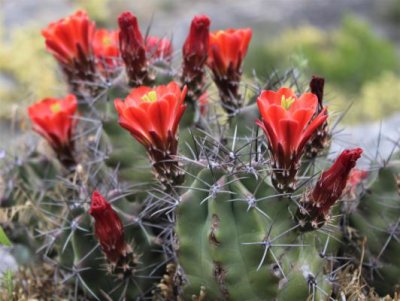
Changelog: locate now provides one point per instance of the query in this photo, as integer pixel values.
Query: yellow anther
(286, 102)
(106, 41)
(150, 96)
(55, 107)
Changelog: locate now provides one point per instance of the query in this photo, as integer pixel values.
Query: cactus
(377, 224)
(170, 196)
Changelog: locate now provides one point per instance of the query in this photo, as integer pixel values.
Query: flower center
(150, 97)
(286, 102)
(55, 108)
(106, 41)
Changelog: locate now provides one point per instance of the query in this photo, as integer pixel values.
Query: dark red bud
(108, 227)
(332, 182)
(317, 88)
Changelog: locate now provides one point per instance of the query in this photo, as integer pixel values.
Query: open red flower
(159, 48)
(152, 117)
(106, 49)
(53, 119)
(108, 228)
(227, 49)
(288, 123)
(194, 55)
(133, 50)
(70, 41)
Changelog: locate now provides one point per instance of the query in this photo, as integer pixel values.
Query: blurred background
(354, 44)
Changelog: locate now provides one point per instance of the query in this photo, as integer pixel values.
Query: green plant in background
(228, 214)
(353, 58)
(99, 10)
(31, 74)
(4, 239)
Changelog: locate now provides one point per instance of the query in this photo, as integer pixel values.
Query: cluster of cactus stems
(229, 213)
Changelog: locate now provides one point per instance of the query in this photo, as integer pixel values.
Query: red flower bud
(53, 119)
(321, 139)
(317, 88)
(195, 48)
(70, 41)
(333, 181)
(133, 49)
(288, 123)
(225, 57)
(195, 53)
(316, 204)
(108, 228)
(158, 49)
(152, 117)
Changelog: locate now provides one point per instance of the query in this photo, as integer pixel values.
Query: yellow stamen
(106, 41)
(55, 107)
(150, 97)
(286, 102)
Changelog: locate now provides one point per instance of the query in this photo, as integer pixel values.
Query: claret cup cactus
(171, 191)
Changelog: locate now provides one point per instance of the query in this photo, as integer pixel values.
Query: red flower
(106, 50)
(225, 57)
(159, 48)
(70, 41)
(152, 117)
(288, 123)
(195, 54)
(228, 49)
(54, 120)
(70, 38)
(108, 228)
(133, 50)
